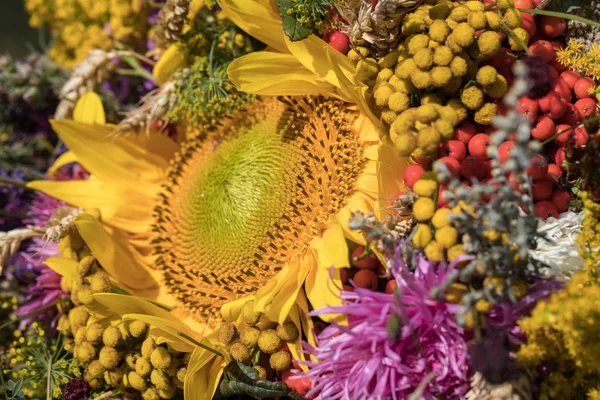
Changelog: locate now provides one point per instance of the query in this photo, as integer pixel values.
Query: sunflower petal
(331, 248)
(115, 257)
(323, 290)
(112, 304)
(62, 266)
(389, 170)
(284, 300)
(124, 206)
(232, 310)
(204, 372)
(300, 317)
(170, 61)
(258, 19)
(165, 331)
(253, 73)
(137, 158)
(67, 157)
(89, 109)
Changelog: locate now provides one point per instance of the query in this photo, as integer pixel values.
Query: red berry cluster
(367, 273)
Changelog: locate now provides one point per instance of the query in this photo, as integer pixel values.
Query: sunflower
(258, 206)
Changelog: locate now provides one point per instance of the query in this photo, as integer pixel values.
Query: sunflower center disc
(233, 214)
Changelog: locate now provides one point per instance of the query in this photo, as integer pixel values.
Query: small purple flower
(393, 342)
(45, 287)
(77, 389)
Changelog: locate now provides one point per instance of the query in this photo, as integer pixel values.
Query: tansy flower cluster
(83, 25)
(254, 336)
(563, 332)
(589, 238)
(437, 63)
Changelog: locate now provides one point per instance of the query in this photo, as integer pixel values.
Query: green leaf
(291, 26)
(241, 380)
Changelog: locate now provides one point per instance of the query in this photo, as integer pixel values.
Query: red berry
(348, 288)
(563, 88)
(365, 278)
(558, 66)
(561, 200)
(553, 74)
(582, 87)
(557, 45)
(452, 164)
(542, 189)
(538, 169)
(554, 172)
(528, 24)
(564, 132)
(473, 167)
(478, 145)
(586, 107)
(425, 162)
(552, 105)
(504, 150)
(559, 158)
(544, 129)
(553, 26)
(542, 48)
(344, 275)
(441, 202)
(571, 116)
(453, 148)
(581, 136)
(369, 262)
(340, 42)
(412, 174)
(528, 107)
(299, 385)
(390, 287)
(464, 132)
(502, 61)
(524, 4)
(545, 209)
(570, 77)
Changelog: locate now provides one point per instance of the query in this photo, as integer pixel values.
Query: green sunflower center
(244, 198)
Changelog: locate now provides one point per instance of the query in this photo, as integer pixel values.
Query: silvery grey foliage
(493, 225)
(585, 33)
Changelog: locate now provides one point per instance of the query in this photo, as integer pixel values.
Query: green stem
(489, 7)
(30, 313)
(574, 126)
(197, 343)
(13, 182)
(140, 72)
(516, 38)
(561, 15)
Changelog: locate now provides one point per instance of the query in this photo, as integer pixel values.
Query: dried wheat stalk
(171, 20)
(11, 241)
(85, 77)
(155, 106)
(378, 26)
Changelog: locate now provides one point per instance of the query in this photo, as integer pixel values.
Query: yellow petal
(300, 317)
(322, 290)
(89, 109)
(331, 248)
(118, 260)
(62, 266)
(136, 158)
(284, 296)
(122, 205)
(254, 73)
(107, 305)
(166, 331)
(195, 7)
(389, 170)
(232, 310)
(170, 61)
(259, 19)
(67, 157)
(204, 371)
(355, 91)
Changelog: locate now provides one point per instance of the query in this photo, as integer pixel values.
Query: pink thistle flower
(393, 342)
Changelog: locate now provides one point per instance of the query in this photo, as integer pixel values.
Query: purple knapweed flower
(394, 344)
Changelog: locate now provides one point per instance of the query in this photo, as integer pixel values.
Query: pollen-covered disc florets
(245, 197)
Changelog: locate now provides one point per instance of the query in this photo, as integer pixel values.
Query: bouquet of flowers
(302, 199)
